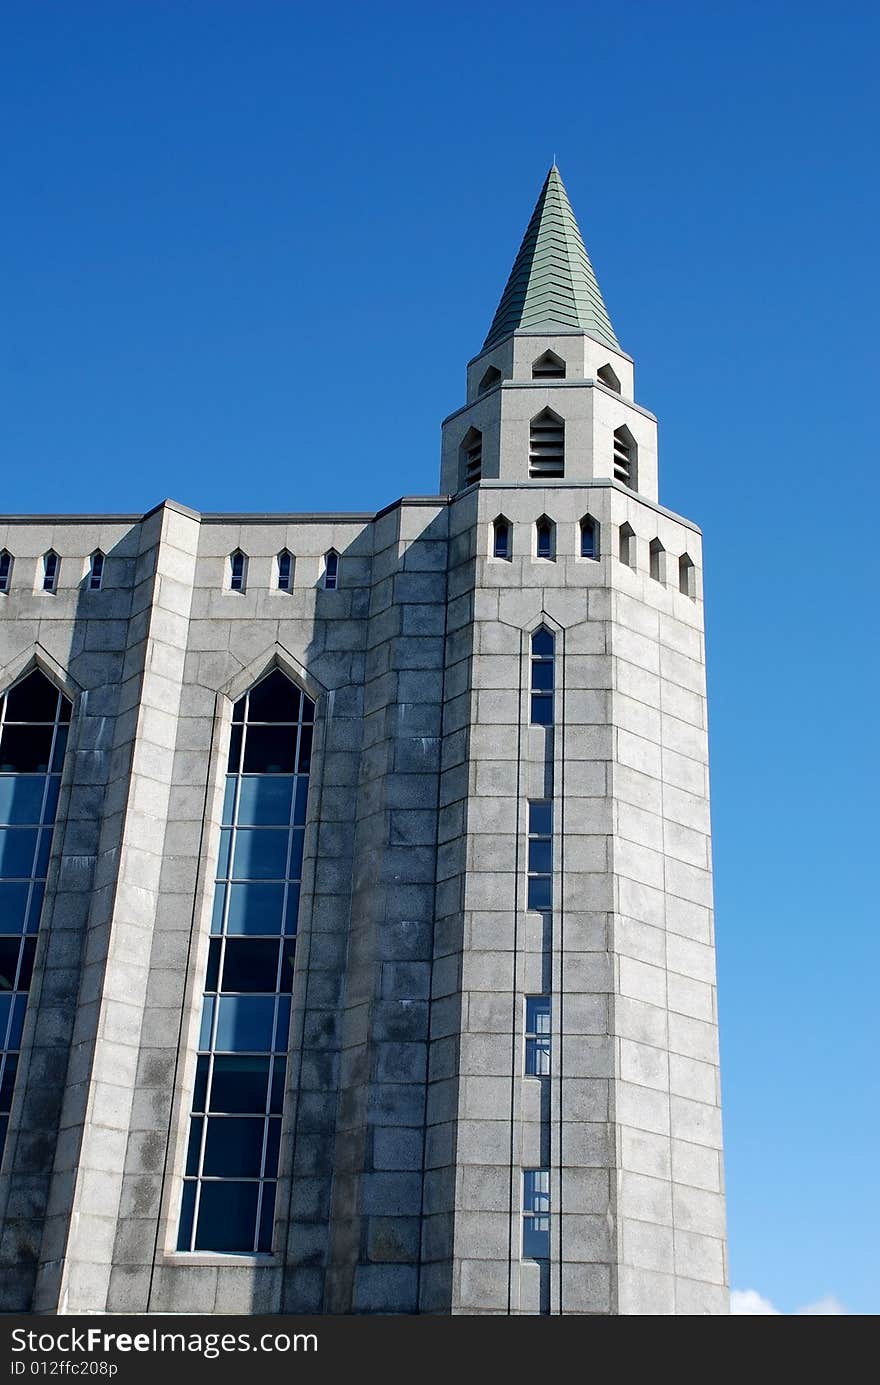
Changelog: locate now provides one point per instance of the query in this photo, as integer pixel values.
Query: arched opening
(331, 570)
(237, 571)
(657, 560)
(608, 377)
(627, 545)
(542, 681)
(96, 571)
(491, 378)
(230, 1179)
(548, 367)
(6, 561)
(470, 456)
(502, 538)
(547, 445)
(589, 529)
(34, 718)
(625, 453)
(545, 539)
(285, 570)
(687, 577)
(51, 571)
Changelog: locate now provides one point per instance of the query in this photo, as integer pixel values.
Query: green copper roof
(552, 283)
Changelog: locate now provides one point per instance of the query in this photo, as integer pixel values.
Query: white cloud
(749, 1302)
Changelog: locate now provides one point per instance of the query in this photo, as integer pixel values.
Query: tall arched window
(501, 538)
(51, 569)
(5, 570)
(589, 537)
(285, 570)
(625, 458)
(542, 677)
(331, 570)
(687, 577)
(547, 445)
(237, 571)
(232, 1157)
(545, 538)
(96, 571)
(34, 718)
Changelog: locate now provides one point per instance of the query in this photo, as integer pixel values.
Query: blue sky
(247, 249)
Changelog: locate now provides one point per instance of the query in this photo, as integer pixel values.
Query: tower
(355, 879)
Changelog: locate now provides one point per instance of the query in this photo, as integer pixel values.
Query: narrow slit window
(237, 571)
(231, 1170)
(471, 456)
(537, 1036)
(331, 570)
(96, 571)
(5, 570)
(501, 538)
(51, 568)
(543, 660)
(687, 577)
(547, 445)
(627, 545)
(536, 1214)
(285, 571)
(589, 537)
(545, 538)
(540, 862)
(625, 457)
(657, 555)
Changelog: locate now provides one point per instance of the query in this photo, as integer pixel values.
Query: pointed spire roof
(552, 284)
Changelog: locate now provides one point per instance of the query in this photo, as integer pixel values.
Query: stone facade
(407, 1119)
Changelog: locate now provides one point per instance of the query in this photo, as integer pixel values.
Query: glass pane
(33, 699)
(36, 905)
(25, 749)
(540, 857)
(238, 709)
(542, 676)
(200, 1091)
(296, 855)
(233, 1147)
(542, 642)
(9, 953)
(541, 817)
(229, 799)
(17, 847)
(213, 973)
(536, 1238)
(8, 1082)
(21, 798)
(223, 855)
(195, 1146)
(308, 709)
(299, 807)
(244, 1024)
(5, 1010)
(13, 904)
(19, 1006)
(235, 749)
(240, 1084)
(260, 854)
(540, 896)
(538, 1014)
(187, 1207)
(227, 1216)
(279, 1070)
(270, 750)
(255, 908)
(217, 912)
(537, 1058)
(282, 1025)
(26, 969)
(43, 853)
(267, 1217)
(292, 912)
(265, 802)
(542, 710)
(250, 964)
(207, 1022)
(273, 1141)
(60, 747)
(51, 798)
(275, 699)
(304, 759)
(288, 950)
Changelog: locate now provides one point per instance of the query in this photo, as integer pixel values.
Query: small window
(540, 862)
(687, 577)
(491, 378)
(285, 570)
(537, 1036)
(607, 376)
(627, 545)
(536, 1214)
(657, 561)
(96, 571)
(589, 537)
(543, 651)
(331, 570)
(545, 538)
(547, 445)
(51, 568)
(548, 367)
(237, 571)
(501, 538)
(471, 456)
(5, 570)
(625, 457)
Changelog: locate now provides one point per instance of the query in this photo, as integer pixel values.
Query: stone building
(369, 965)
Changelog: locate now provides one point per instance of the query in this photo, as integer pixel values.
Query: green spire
(552, 284)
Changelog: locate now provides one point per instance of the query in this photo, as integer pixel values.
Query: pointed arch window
(657, 560)
(231, 1172)
(471, 456)
(687, 577)
(331, 570)
(547, 445)
(285, 570)
(96, 571)
(549, 366)
(625, 457)
(545, 539)
(589, 528)
(237, 571)
(627, 545)
(608, 377)
(34, 718)
(502, 541)
(6, 561)
(543, 677)
(51, 570)
(491, 378)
